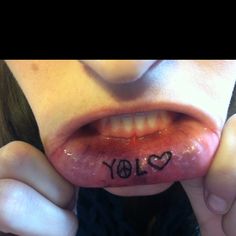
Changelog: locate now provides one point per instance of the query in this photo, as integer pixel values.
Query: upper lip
(70, 127)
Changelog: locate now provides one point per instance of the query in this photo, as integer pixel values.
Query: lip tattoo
(124, 168)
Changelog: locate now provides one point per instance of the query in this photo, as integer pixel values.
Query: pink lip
(182, 151)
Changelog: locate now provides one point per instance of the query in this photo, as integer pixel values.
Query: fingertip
(218, 195)
(216, 204)
(219, 183)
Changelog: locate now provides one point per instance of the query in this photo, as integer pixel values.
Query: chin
(139, 190)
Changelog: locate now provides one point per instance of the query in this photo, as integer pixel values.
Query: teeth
(103, 123)
(151, 119)
(138, 124)
(127, 122)
(115, 123)
(139, 121)
(166, 118)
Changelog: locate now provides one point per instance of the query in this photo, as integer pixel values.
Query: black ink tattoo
(139, 172)
(110, 167)
(124, 169)
(159, 162)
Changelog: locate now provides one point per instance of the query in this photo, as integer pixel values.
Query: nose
(119, 71)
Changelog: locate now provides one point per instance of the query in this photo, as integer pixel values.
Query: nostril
(120, 71)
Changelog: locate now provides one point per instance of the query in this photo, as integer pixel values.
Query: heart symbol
(159, 162)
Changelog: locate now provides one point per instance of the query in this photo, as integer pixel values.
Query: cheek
(206, 84)
(51, 87)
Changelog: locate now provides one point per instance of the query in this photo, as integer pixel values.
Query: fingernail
(217, 204)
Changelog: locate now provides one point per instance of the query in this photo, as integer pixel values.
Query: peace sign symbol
(124, 169)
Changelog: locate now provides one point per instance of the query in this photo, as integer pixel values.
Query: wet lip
(73, 156)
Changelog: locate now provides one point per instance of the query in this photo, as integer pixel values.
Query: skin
(48, 84)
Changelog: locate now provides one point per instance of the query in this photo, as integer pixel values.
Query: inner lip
(181, 151)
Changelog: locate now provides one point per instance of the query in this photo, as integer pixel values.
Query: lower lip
(182, 151)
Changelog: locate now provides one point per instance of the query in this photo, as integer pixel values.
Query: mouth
(135, 147)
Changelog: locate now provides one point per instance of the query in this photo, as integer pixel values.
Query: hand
(213, 197)
(34, 198)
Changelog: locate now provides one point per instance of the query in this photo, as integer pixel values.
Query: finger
(220, 181)
(23, 211)
(210, 223)
(229, 221)
(22, 161)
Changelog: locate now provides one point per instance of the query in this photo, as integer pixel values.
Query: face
(132, 127)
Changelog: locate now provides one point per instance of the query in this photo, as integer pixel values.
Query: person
(116, 128)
